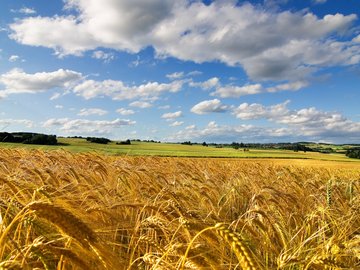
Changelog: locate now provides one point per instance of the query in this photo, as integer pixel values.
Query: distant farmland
(177, 150)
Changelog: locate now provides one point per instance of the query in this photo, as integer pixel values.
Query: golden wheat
(60, 210)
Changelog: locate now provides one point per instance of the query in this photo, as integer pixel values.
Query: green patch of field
(178, 150)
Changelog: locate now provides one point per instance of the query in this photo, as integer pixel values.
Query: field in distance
(137, 148)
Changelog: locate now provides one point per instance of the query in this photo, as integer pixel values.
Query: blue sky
(215, 71)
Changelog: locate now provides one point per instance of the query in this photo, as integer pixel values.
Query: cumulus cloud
(55, 96)
(268, 44)
(190, 127)
(124, 111)
(176, 124)
(172, 115)
(217, 133)
(234, 91)
(14, 58)
(164, 107)
(118, 90)
(25, 10)
(305, 122)
(322, 126)
(175, 75)
(194, 73)
(122, 25)
(292, 86)
(231, 91)
(209, 106)
(83, 126)
(209, 84)
(4, 123)
(141, 104)
(247, 111)
(101, 55)
(356, 39)
(92, 111)
(312, 122)
(320, 1)
(17, 81)
(309, 124)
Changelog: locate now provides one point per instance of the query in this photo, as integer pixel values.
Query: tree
(127, 142)
(98, 140)
(41, 139)
(6, 137)
(187, 143)
(353, 153)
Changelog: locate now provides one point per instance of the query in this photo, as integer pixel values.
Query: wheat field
(60, 210)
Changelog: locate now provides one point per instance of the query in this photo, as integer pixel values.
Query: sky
(178, 70)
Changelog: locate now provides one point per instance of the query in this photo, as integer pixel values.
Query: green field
(178, 150)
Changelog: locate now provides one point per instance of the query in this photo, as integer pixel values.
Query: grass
(178, 150)
(62, 210)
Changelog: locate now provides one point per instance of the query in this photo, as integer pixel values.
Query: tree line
(353, 152)
(28, 138)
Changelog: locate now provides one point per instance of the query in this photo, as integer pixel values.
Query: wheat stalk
(244, 255)
(63, 219)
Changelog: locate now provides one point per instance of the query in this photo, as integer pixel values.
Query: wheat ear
(64, 220)
(246, 260)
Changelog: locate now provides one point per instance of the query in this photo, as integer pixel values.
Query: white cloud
(4, 123)
(312, 122)
(24, 10)
(165, 107)
(101, 55)
(117, 90)
(176, 124)
(209, 84)
(17, 81)
(141, 104)
(268, 44)
(247, 111)
(92, 111)
(252, 37)
(320, 1)
(292, 86)
(356, 39)
(50, 32)
(209, 106)
(55, 96)
(123, 25)
(234, 91)
(229, 91)
(14, 58)
(181, 74)
(190, 127)
(28, 11)
(83, 126)
(216, 133)
(175, 75)
(137, 62)
(59, 107)
(194, 73)
(124, 111)
(304, 122)
(172, 115)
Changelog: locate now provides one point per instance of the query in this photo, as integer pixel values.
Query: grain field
(60, 210)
